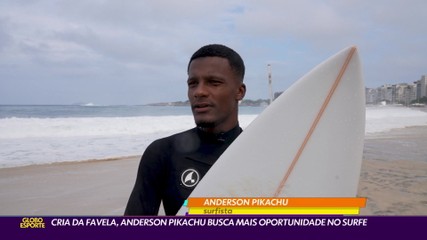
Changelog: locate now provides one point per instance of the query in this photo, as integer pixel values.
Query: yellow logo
(32, 223)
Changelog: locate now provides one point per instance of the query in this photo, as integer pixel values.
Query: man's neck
(216, 130)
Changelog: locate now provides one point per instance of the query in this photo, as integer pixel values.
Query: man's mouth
(202, 107)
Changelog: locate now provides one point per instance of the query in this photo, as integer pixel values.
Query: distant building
(371, 95)
(276, 95)
(421, 87)
(402, 93)
(405, 93)
(386, 93)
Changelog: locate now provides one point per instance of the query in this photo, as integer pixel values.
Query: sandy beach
(394, 172)
(393, 178)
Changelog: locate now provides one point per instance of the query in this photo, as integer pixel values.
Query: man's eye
(192, 83)
(215, 82)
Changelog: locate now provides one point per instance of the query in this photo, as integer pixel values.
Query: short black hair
(218, 50)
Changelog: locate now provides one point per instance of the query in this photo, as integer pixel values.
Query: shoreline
(94, 160)
(394, 183)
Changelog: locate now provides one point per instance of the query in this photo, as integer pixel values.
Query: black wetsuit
(171, 167)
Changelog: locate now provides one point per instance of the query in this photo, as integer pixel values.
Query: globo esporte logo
(32, 222)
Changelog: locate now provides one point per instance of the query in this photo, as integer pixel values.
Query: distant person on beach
(171, 167)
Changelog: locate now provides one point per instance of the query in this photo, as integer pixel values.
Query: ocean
(46, 134)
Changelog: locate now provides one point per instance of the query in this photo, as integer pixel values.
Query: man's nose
(201, 90)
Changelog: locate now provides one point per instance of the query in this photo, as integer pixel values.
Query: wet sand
(394, 172)
(393, 178)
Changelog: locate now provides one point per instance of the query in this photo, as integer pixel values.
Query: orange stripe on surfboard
(315, 122)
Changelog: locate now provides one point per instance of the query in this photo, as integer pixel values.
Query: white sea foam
(385, 118)
(12, 128)
(26, 141)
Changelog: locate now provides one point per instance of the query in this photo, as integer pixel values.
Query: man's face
(214, 91)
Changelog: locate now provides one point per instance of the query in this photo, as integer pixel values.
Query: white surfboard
(307, 143)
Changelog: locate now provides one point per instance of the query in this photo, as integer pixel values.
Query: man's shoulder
(177, 136)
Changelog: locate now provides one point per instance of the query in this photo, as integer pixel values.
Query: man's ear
(241, 91)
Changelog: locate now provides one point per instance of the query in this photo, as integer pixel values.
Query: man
(171, 167)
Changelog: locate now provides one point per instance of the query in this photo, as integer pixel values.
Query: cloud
(389, 34)
(111, 46)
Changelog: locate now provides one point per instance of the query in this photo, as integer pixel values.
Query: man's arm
(147, 193)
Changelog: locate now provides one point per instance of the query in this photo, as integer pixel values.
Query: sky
(136, 52)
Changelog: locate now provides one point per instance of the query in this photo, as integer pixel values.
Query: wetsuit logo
(190, 178)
